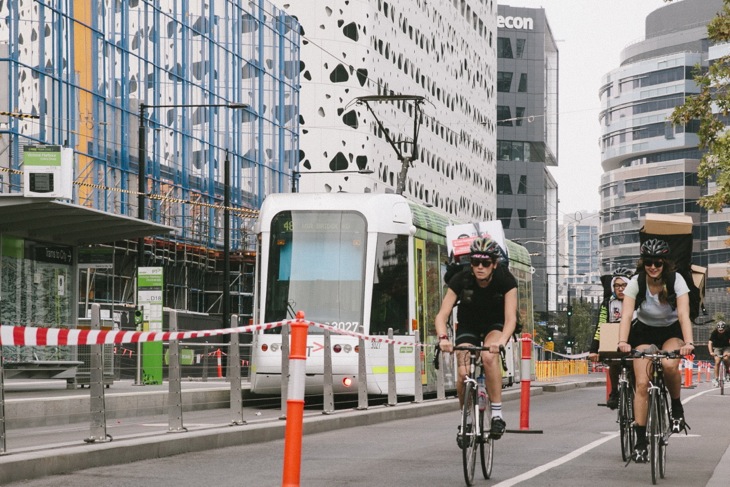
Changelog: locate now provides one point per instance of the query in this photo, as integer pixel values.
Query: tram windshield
(317, 265)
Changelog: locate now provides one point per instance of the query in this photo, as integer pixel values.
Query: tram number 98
(344, 325)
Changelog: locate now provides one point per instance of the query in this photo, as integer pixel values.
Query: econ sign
(510, 22)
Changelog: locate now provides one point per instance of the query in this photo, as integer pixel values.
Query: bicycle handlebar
(471, 348)
(655, 354)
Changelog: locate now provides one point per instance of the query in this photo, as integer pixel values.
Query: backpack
(680, 252)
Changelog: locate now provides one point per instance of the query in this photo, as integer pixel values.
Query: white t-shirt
(652, 312)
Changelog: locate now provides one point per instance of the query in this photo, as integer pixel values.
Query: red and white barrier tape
(39, 337)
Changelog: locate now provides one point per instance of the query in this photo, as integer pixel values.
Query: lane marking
(555, 463)
(576, 453)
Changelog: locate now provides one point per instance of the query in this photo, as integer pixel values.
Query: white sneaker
(715, 383)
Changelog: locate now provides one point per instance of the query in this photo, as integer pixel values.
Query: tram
(360, 263)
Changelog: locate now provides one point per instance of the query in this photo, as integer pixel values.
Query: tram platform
(47, 424)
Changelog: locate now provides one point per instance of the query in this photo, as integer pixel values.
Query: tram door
(421, 300)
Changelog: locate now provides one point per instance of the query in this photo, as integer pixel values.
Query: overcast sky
(590, 35)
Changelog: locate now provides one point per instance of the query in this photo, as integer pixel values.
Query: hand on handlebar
(624, 347)
(687, 349)
(593, 357)
(446, 346)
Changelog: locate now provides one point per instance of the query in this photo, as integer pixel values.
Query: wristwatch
(443, 337)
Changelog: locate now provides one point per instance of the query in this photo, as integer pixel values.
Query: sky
(590, 36)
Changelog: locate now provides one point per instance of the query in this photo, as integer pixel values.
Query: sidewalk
(47, 425)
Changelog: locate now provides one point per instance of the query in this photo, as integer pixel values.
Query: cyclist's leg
(492, 364)
(717, 358)
(672, 377)
(641, 393)
(726, 358)
(462, 359)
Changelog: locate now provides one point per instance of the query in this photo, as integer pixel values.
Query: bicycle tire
(469, 432)
(721, 377)
(664, 427)
(624, 421)
(486, 449)
(653, 429)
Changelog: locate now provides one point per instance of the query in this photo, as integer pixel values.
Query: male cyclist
(486, 294)
(610, 312)
(719, 346)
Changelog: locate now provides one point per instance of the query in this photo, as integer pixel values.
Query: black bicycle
(658, 428)
(625, 417)
(721, 375)
(473, 418)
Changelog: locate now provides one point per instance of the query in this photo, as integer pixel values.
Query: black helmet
(622, 272)
(720, 325)
(485, 246)
(655, 248)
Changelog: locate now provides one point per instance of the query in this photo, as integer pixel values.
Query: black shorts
(642, 334)
(472, 338)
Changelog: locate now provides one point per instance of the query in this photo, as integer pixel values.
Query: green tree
(711, 106)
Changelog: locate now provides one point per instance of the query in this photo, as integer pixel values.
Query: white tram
(363, 263)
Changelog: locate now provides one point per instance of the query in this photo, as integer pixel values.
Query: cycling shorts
(464, 337)
(722, 351)
(642, 334)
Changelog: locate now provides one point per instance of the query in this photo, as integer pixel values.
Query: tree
(711, 107)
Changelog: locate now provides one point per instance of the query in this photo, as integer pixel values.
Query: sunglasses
(654, 262)
(481, 262)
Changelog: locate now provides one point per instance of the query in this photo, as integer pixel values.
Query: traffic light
(138, 318)
(569, 341)
(570, 310)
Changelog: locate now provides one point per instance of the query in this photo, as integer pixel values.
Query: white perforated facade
(443, 50)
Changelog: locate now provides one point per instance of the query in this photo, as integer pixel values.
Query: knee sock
(640, 436)
(496, 409)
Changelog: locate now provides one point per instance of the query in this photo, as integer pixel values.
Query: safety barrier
(554, 369)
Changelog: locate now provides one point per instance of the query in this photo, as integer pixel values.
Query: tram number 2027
(344, 325)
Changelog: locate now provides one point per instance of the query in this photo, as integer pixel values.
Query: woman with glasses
(662, 319)
(486, 294)
(610, 312)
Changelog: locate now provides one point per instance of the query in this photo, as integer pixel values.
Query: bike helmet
(720, 325)
(623, 272)
(486, 247)
(655, 248)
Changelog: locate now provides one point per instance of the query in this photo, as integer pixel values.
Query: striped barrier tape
(39, 337)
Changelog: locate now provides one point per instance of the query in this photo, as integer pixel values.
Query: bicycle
(472, 418)
(625, 418)
(721, 375)
(658, 429)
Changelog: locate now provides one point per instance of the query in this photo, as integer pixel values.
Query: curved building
(650, 166)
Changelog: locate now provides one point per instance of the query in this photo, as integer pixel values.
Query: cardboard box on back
(659, 224)
(609, 340)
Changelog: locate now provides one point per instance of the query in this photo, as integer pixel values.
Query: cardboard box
(609, 340)
(459, 237)
(660, 224)
(699, 275)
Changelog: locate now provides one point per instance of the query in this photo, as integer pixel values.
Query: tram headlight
(275, 347)
(347, 348)
(347, 381)
(264, 347)
(337, 348)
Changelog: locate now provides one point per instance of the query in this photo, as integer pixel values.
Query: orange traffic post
(608, 383)
(218, 356)
(687, 373)
(295, 402)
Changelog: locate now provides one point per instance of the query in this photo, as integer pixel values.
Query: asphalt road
(578, 446)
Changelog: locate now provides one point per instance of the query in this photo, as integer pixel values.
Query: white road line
(574, 454)
(555, 463)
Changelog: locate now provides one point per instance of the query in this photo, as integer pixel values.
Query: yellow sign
(550, 346)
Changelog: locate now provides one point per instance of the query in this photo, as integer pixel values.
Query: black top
(485, 306)
(720, 340)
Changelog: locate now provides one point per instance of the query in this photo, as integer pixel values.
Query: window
(504, 116)
(523, 83)
(504, 81)
(522, 214)
(504, 184)
(505, 215)
(520, 48)
(519, 116)
(504, 48)
(522, 188)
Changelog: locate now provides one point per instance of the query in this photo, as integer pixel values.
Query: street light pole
(226, 242)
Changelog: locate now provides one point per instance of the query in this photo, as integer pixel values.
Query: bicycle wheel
(486, 449)
(654, 430)
(625, 420)
(721, 377)
(469, 432)
(664, 428)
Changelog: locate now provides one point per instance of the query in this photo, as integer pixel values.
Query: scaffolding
(81, 70)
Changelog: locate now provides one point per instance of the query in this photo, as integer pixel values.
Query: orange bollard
(608, 384)
(525, 381)
(687, 373)
(220, 363)
(708, 376)
(295, 403)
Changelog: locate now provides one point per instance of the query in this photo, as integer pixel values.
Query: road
(578, 446)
